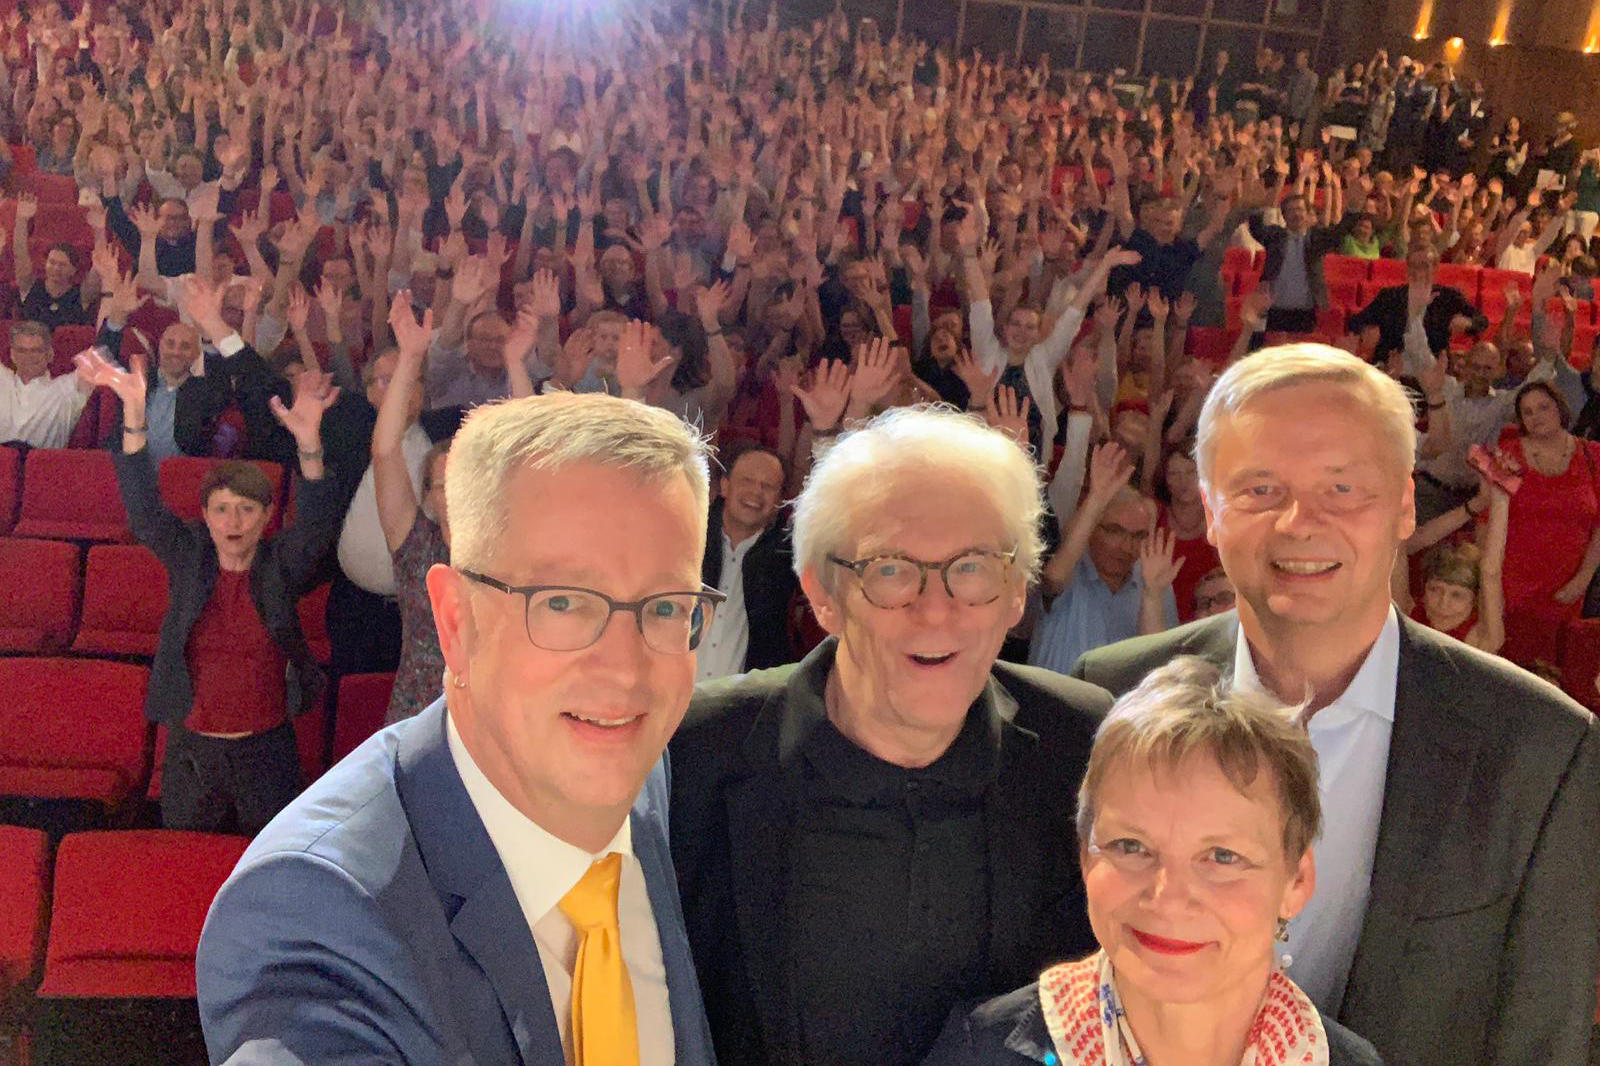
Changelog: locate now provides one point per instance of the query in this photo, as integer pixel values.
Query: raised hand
(129, 385)
(828, 395)
(979, 382)
(710, 301)
(1008, 415)
(576, 355)
(201, 301)
(876, 372)
(1110, 469)
(331, 299)
(411, 337)
(1156, 561)
(637, 365)
(299, 310)
(146, 222)
(314, 393)
(119, 295)
(545, 295)
(27, 206)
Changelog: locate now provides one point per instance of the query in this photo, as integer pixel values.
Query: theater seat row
(71, 493)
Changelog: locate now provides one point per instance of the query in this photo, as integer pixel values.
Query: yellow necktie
(605, 1031)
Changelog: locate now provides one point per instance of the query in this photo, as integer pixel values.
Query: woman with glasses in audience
(1195, 818)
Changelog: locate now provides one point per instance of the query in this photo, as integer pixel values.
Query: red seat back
(1462, 276)
(24, 890)
(10, 486)
(41, 595)
(71, 728)
(124, 601)
(1386, 272)
(1345, 268)
(362, 705)
(107, 938)
(71, 494)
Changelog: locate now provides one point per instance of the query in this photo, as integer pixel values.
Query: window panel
(1170, 48)
(1110, 43)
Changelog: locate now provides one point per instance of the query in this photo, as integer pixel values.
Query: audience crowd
(384, 215)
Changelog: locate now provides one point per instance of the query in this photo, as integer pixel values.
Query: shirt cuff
(230, 345)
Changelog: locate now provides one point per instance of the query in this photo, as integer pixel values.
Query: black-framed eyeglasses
(571, 618)
(972, 578)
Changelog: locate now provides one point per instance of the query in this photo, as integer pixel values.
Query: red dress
(1549, 528)
(1199, 559)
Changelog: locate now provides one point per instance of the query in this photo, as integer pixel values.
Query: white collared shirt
(542, 870)
(728, 640)
(41, 412)
(1351, 736)
(364, 554)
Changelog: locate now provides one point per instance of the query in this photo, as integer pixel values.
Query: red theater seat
(1578, 654)
(41, 595)
(24, 890)
(71, 728)
(1236, 261)
(124, 600)
(180, 478)
(1386, 272)
(1468, 279)
(54, 188)
(71, 494)
(128, 908)
(10, 486)
(1345, 268)
(1211, 344)
(362, 704)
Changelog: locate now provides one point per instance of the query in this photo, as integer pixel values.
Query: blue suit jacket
(372, 922)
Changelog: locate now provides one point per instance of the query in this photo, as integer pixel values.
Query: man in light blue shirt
(1096, 592)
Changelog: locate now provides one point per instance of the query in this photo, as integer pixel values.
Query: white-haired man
(490, 881)
(1457, 913)
(885, 829)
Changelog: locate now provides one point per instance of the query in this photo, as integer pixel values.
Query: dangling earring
(1283, 930)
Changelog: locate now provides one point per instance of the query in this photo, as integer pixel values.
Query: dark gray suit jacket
(1482, 931)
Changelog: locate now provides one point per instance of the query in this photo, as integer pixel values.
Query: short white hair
(550, 432)
(866, 463)
(1287, 365)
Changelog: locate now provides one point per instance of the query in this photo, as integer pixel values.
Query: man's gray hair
(866, 463)
(1307, 364)
(30, 328)
(548, 433)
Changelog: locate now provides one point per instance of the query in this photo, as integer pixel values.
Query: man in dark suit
(490, 881)
(1448, 312)
(1293, 269)
(749, 560)
(885, 830)
(1457, 914)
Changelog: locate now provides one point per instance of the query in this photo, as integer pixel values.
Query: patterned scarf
(1089, 1026)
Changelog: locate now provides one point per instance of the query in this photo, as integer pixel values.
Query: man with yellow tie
(490, 882)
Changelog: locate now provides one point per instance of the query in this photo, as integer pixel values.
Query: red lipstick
(1163, 946)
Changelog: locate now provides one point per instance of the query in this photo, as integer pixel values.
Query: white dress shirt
(726, 643)
(1351, 736)
(542, 870)
(41, 412)
(363, 552)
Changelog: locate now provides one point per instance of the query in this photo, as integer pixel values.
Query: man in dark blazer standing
(1457, 913)
(749, 559)
(868, 838)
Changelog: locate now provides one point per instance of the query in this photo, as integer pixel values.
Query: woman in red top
(1552, 539)
(232, 664)
(1185, 516)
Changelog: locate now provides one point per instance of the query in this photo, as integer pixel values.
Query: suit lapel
(691, 1035)
(466, 871)
(1431, 755)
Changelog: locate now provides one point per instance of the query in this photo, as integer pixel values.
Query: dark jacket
(1010, 1031)
(1388, 309)
(735, 773)
(173, 258)
(1320, 240)
(769, 588)
(202, 398)
(278, 576)
(1482, 929)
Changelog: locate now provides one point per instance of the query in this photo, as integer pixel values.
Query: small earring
(456, 680)
(1283, 930)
